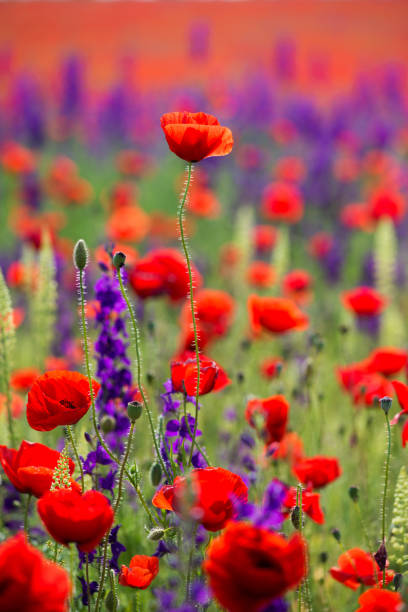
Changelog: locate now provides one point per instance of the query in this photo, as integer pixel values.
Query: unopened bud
(386, 403)
(134, 410)
(111, 602)
(108, 424)
(295, 517)
(381, 556)
(354, 493)
(155, 534)
(336, 534)
(323, 557)
(155, 474)
(118, 260)
(240, 377)
(80, 255)
(397, 581)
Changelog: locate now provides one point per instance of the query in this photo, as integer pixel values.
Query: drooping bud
(354, 493)
(381, 556)
(397, 581)
(80, 255)
(155, 474)
(119, 260)
(295, 517)
(336, 534)
(155, 534)
(111, 602)
(385, 403)
(134, 410)
(107, 424)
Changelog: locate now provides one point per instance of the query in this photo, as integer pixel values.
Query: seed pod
(119, 259)
(155, 534)
(295, 517)
(354, 493)
(108, 424)
(134, 410)
(80, 255)
(155, 474)
(386, 403)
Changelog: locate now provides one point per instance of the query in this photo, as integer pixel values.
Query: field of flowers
(203, 348)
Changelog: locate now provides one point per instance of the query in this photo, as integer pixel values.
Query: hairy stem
(78, 460)
(387, 469)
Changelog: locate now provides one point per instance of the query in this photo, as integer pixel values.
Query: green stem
(387, 469)
(139, 375)
(27, 507)
(191, 287)
(190, 562)
(88, 591)
(78, 460)
(299, 504)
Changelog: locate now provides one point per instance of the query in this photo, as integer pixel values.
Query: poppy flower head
(29, 581)
(289, 449)
(275, 314)
(261, 274)
(207, 495)
(71, 517)
(290, 169)
(320, 245)
(265, 237)
(17, 159)
(23, 379)
(184, 375)
(269, 417)
(141, 572)
(59, 397)
(195, 136)
(203, 203)
(380, 600)
(387, 204)
(297, 286)
(356, 567)
(317, 471)
(387, 360)
(356, 216)
(364, 301)
(128, 224)
(271, 367)
(248, 566)
(282, 202)
(370, 389)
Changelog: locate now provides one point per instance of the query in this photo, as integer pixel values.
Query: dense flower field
(203, 349)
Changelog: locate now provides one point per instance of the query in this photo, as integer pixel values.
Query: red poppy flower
(17, 159)
(132, 163)
(320, 245)
(162, 272)
(310, 504)
(203, 203)
(265, 237)
(297, 286)
(17, 404)
(290, 169)
(230, 256)
(317, 471)
(380, 600)
(207, 495)
(356, 567)
(364, 301)
(275, 314)
(402, 394)
(371, 388)
(195, 136)
(57, 398)
(289, 449)
(184, 375)
(30, 469)
(71, 517)
(128, 224)
(387, 360)
(29, 582)
(56, 363)
(269, 417)
(356, 216)
(261, 274)
(271, 367)
(141, 572)
(248, 566)
(385, 203)
(282, 202)
(349, 376)
(23, 379)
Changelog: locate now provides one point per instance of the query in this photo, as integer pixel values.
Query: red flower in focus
(17, 159)
(71, 517)
(207, 495)
(184, 375)
(269, 417)
(275, 314)
(29, 582)
(320, 245)
(57, 398)
(24, 378)
(310, 504)
(387, 360)
(385, 203)
(271, 367)
(162, 272)
(364, 301)
(371, 388)
(141, 572)
(261, 274)
(248, 566)
(356, 216)
(317, 471)
(282, 202)
(203, 203)
(356, 567)
(289, 449)
(30, 469)
(297, 286)
(265, 237)
(379, 600)
(128, 224)
(195, 136)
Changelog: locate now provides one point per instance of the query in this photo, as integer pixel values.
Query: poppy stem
(78, 460)
(300, 529)
(136, 336)
(88, 591)
(384, 499)
(26, 510)
(199, 448)
(180, 215)
(190, 561)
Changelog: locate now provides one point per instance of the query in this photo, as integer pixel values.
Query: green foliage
(398, 550)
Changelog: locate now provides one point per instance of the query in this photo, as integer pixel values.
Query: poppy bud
(119, 259)
(381, 556)
(386, 403)
(111, 602)
(295, 517)
(155, 474)
(343, 329)
(151, 327)
(240, 377)
(397, 581)
(80, 255)
(354, 493)
(336, 534)
(323, 557)
(149, 378)
(134, 410)
(107, 424)
(157, 533)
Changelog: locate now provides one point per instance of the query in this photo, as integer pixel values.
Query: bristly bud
(119, 260)
(134, 410)
(61, 476)
(295, 517)
(149, 378)
(155, 534)
(386, 403)
(80, 255)
(354, 493)
(336, 534)
(111, 602)
(381, 556)
(155, 474)
(397, 581)
(323, 557)
(108, 424)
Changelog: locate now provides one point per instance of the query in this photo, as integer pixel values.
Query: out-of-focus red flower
(269, 417)
(297, 286)
(30, 469)
(141, 572)
(214, 310)
(17, 405)
(349, 376)
(289, 449)
(203, 203)
(317, 471)
(387, 360)
(370, 389)
(23, 379)
(282, 202)
(103, 257)
(275, 314)
(132, 163)
(290, 169)
(356, 567)
(29, 582)
(265, 237)
(31, 227)
(271, 367)
(320, 245)
(122, 195)
(59, 397)
(364, 301)
(230, 256)
(380, 600)
(128, 224)
(164, 227)
(18, 275)
(346, 168)
(56, 363)
(283, 131)
(261, 274)
(388, 204)
(207, 495)
(310, 504)
(162, 272)
(17, 159)
(250, 157)
(195, 136)
(248, 566)
(18, 316)
(356, 216)
(63, 170)
(70, 516)
(184, 375)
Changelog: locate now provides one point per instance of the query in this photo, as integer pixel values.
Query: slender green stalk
(88, 591)
(26, 510)
(387, 469)
(190, 562)
(78, 460)
(10, 421)
(299, 504)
